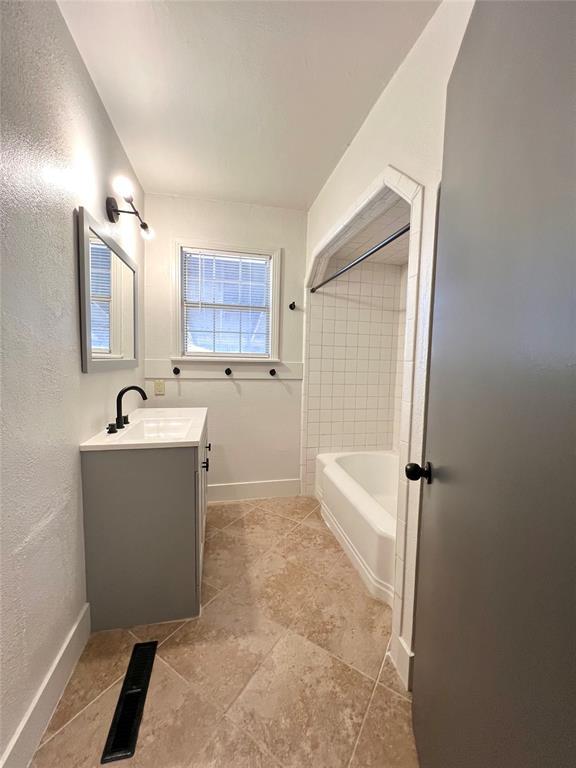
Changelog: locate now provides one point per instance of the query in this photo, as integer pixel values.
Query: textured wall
(254, 424)
(59, 150)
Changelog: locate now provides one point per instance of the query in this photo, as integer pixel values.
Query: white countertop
(153, 428)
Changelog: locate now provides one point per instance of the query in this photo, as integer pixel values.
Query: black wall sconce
(123, 188)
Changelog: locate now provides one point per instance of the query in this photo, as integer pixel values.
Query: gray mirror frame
(85, 225)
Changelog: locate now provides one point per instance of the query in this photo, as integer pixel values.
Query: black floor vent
(123, 734)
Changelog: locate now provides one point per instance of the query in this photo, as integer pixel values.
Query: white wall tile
(354, 358)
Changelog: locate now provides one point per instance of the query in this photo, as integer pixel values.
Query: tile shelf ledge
(214, 369)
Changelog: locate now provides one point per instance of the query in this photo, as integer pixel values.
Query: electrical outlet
(159, 387)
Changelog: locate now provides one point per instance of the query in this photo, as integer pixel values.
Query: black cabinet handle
(272, 371)
(228, 371)
(206, 464)
(209, 446)
(292, 305)
(176, 371)
(416, 472)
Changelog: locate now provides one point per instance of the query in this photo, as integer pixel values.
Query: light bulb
(123, 188)
(147, 232)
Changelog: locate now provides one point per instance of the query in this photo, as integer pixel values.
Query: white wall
(405, 130)
(400, 333)
(59, 151)
(254, 421)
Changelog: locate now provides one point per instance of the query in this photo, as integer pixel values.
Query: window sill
(224, 359)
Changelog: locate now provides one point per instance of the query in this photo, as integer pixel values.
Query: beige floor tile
(226, 558)
(312, 548)
(176, 726)
(102, 662)
(230, 748)
(386, 738)
(295, 507)
(219, 652)
(208, 593)
(274, 587)
(315, 520)
(159, 632)
(221, 514)
(261, 529)
(343, 569)
(390, 678)
(303, 705)
(341, 617)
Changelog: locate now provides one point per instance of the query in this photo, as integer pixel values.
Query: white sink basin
(153, 428)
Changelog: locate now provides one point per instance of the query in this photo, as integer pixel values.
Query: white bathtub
(358, 493)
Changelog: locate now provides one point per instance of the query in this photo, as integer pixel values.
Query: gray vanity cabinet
(144, 521)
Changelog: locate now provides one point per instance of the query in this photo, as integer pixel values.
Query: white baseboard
(377, 588)
(403, 659)
(24, 742)
(258, 489)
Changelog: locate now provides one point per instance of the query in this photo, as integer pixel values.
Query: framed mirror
(108, 299)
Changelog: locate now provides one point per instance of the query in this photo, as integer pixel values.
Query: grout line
(407, 695)
(261, 746)
(206, 604)
(367, 710)
(267, 512)
(283, 516)
(395, 693)
(95, 699)
(258, 666)
(217, 529)
(181, 677)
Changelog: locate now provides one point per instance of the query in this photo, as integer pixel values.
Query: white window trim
(116, 319)
(275, 256)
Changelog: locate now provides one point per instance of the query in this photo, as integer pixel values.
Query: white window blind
(226, 303)
(100, 297)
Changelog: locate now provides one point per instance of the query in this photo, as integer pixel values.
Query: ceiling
(248, 101)
(392, 219)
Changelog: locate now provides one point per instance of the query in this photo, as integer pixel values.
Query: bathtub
(358, 494)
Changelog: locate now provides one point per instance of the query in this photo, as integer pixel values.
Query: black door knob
(416, 472)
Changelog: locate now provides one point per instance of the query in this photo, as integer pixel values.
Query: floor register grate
(123, 734)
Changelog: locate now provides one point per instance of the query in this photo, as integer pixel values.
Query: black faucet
(120, 419)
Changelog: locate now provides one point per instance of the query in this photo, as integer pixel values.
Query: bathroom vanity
(144, 491)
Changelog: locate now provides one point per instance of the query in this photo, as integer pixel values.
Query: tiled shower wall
(353, 377)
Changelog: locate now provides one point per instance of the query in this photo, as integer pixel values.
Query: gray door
(495, 632)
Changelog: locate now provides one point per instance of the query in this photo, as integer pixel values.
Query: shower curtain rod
(374, 249)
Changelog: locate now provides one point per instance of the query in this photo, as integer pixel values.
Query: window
(228, 304)
(101, 297)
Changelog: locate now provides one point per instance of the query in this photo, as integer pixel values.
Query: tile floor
(285, 667)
